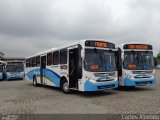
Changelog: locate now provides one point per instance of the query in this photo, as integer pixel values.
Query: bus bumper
(12, 77)
(100, 86)
(139, 82)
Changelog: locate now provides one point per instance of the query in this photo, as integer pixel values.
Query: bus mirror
(80, 58)
(119, 62)
(95, 50)
(119, 51)
(82, 54)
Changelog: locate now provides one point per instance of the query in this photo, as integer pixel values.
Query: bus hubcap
(66, 87)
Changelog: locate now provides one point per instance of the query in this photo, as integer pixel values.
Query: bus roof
(65, 46)
(14, 61)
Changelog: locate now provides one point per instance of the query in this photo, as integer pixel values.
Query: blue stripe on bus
(53, 77)
(10, 77)
(139, 82)
(49, 74)
(32, 73)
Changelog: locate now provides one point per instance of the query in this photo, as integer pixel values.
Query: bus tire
(65, 86)
(35, 82)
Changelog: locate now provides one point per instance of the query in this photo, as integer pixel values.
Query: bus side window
(30, 62)
(49, 59)
(43, 62)
(55, 58)
(33, 62)
(63, 56)
(27, 62)
(37, 61)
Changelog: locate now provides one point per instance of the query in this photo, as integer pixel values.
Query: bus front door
(73, 65)
(42, 69)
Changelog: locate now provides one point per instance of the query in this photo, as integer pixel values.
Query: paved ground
(20, 97)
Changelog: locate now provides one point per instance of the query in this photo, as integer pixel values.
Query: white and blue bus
(136, 65)
(87, 65)
(2, 70)
(15, 70)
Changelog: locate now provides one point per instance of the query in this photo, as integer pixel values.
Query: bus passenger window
(49, 59)
(33, 62)
(30, 62)
(43, 62)
(63, 56)
(38, 61)
(27, 62)
(55, 58)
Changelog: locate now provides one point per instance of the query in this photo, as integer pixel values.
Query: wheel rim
(66, 87)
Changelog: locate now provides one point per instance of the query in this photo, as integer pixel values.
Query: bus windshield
(138, 60)
(15, 67)
(10, 68)
(20, 67)
(97, 60)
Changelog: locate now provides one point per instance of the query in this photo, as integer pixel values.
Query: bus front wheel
(65, 87)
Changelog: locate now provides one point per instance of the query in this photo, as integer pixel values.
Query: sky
(31, 26)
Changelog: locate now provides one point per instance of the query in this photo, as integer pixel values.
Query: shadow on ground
(132, 89)
(79, 93)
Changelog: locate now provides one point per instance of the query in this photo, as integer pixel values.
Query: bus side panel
(51, 78)
(29, 73)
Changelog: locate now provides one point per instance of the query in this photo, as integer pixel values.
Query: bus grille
(106, 86)
(104, 80)
(144, 83)
(142, 77)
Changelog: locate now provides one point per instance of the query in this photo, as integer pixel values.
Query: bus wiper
(95, 50)
(110, 50)
(101, 58)
(146, 52)
(133, 52)
(137, 58)
(143, 65)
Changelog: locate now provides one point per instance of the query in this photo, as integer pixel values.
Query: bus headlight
(115, 78)
(130, 77)
(91, 80)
